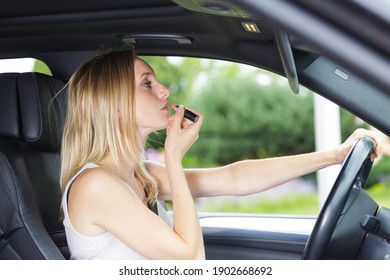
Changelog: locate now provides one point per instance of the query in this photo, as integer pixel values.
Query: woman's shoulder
(93, 175)
(95, 182)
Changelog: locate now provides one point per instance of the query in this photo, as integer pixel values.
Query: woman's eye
(148, 84)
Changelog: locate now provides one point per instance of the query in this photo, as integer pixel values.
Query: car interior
(30, 160)
(63, 34)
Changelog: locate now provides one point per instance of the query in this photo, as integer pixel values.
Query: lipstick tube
(189, 114)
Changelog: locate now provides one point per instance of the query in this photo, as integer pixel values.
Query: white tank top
(105, 246)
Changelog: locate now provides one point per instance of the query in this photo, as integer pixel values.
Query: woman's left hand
(343, 150)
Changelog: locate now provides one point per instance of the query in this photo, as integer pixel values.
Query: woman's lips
(165, 107)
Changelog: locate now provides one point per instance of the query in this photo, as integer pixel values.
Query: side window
(23, 65)
(249, 114)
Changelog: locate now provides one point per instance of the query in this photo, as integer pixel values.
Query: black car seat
(31, 121)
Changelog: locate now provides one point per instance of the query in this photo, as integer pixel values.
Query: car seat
(32, 113)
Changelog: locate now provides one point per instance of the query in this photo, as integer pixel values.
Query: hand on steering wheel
(354, 172)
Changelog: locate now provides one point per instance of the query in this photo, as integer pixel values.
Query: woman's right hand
(181, 134)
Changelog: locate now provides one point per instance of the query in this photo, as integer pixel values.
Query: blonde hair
(97, 90)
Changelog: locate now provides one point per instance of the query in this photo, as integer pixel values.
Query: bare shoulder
(93, 181)
(99, 184)
(94, 192)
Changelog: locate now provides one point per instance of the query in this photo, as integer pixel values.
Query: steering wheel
(354, 172)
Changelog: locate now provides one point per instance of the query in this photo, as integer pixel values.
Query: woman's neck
(124, 169)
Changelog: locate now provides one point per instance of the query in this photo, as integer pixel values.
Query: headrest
(41, 107)
(9, 113)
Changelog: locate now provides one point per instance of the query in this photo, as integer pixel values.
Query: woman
(114, 103)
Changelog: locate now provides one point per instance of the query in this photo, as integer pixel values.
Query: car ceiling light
(250, 27)
(135, 38)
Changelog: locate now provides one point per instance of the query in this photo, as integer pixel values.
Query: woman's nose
(164, 92)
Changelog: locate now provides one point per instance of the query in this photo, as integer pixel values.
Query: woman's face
(151, 105)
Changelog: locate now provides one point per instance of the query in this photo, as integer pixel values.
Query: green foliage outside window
(41, 67)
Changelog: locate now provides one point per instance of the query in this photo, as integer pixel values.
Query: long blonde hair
(97, 90)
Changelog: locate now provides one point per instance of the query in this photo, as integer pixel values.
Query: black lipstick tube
(189, 115)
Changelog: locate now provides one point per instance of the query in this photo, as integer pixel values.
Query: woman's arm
(251, 176)
(247, 176)
(181, 134)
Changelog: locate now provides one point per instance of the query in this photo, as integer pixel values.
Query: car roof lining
(50, 7)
